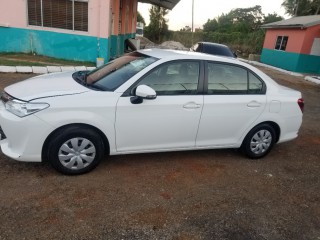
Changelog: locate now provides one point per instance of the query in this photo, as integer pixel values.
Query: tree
(242, 20)
(248, 19)
(301, 7)
(211, 25)
(185, 29)
(140, 18)
(315, 7)
(272, 17)
(158, 23)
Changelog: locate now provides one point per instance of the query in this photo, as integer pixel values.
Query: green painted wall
(113, 46)
(309, 64)
(117, 44)
(291, 61)
(53, 44)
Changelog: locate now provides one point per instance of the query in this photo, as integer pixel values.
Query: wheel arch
(276, 128)
(274, 125)
(44, 152)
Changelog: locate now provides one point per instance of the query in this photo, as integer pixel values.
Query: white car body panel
(54, 84)
(163, 123)
(167, 123)
(225, 117)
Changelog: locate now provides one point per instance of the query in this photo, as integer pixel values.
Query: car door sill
(173, 149)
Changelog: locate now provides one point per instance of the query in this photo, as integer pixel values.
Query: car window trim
(206, 80)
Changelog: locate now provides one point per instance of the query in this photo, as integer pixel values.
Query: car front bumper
(22, 139)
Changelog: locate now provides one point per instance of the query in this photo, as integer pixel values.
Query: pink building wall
(311, 34)
(14, 14)
(295, 42)
(300, 40)
(105, 37)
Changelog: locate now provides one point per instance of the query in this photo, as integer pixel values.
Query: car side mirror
(235, 55)
(143, 92)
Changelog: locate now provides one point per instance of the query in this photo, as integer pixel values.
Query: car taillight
(301, 104)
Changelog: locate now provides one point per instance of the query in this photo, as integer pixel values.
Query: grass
(23, 59)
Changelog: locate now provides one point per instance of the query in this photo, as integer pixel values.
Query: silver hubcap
(77, 153)
(261, 141)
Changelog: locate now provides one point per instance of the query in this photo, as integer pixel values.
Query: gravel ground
(216, 194)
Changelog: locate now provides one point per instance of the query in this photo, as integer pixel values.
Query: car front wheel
(75, 150)
(259, 141)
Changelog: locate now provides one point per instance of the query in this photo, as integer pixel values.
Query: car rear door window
(255, 84)
(231, 79)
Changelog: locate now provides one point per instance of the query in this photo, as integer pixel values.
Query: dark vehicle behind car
(214, 49)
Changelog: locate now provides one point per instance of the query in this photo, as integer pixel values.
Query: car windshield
(112, 75)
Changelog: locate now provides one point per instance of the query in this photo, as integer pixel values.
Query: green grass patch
(22, 59)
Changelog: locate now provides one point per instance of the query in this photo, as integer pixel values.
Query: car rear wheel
(75, 150)
(259, 141)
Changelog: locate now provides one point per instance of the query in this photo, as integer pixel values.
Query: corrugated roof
(295, 22)
(169, 4)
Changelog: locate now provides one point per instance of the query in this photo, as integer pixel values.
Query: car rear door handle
(254, 104)
(191, 105)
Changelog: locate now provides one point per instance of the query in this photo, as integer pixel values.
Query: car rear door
(171, 120)
(235, 99)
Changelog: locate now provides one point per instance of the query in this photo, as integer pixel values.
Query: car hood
(49, 85)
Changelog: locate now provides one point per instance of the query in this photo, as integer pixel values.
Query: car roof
(178, 54)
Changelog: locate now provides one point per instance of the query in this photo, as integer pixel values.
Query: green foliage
(186, 29)
(237, 20)
(158, 26)
(140, 18)
(243, 43)
(301, 7)
(272, 18)
(250, 18)
(239, 29)
(184, 37)
(211, 25)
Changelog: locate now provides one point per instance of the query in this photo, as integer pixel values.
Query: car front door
(235, 99)
(168, 122)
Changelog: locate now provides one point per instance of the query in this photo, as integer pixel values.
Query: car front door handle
(191, 105)
(254, 104)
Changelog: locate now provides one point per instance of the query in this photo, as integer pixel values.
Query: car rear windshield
(112, 75)
(218, 50)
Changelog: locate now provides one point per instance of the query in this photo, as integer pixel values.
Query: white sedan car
(146, 101)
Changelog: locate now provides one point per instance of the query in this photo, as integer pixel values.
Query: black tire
(259, 141)
(75, 150)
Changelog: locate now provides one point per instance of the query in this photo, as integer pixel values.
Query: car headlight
(21, 108)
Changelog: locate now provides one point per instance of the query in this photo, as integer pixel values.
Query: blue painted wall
(291, 61)
(53, 44)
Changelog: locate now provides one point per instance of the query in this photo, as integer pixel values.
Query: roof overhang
(284, 26)
(169, 4)
(301, 22)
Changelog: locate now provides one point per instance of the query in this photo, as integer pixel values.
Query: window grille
(64, 14)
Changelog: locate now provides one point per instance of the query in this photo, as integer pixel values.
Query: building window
(281, 43)
(65, 14)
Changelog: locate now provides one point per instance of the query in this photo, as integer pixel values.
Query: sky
(181, 15)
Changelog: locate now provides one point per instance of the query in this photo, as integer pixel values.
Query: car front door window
(174, 78)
